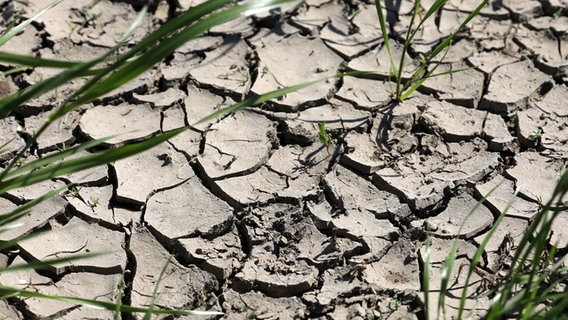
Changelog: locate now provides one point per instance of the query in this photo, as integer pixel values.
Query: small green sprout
(394, 302)
(536, 134)
(93, 202)
(92, 16)
(324, 136)
(76, 192)
(264, 70)
(353, 14)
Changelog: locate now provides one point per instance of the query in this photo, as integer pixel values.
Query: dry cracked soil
(262, 218)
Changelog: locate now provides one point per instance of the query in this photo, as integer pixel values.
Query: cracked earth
(258, 214)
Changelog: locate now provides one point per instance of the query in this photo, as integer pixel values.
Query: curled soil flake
(376, 60)
(559, 234)
(292, 173)
(95, 176)
(220, 256)
(180, 288)
(349, 192)
(230, 151)
(225, 68)
(339, 282)
(554, 102)
(447, 223)
(314, 17)
(417, 191)
(8, 311)
(491, 34)
(503, 242)
(367, 94)
(305, 60)
(239, 306)
(58, 135)
(187, 141)
(338, 33)
(545, 123)
(161, 100)
(201, 103)
(497, 201)
(274, 276)
(79, 237)
(78, 285)
(476, 302)
(549, 47)
(536, 175)
(38, 217)
(440, 249)
(141, 175)
(286, 248)
(522, 11)
(188, 209)
(452, 122)
(511, 87)
(487, 62)
(128, 123)
(93, 203)
(397, 270)
(496, 132)
(362, 154)
(257, 187)
(463, 88)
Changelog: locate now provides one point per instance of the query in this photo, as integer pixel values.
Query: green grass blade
(54, 157)
(74, 165)
(445, 73)
(17, 29)
(413, 84)
(40, 265)
(23, 209)
(436, 7)
(156, 288)
(104, 157)
(426, 276)
(31, 61)
(67, 106)
(93, 160)
(384, 31)
(407, 42)
(451, 258)
(133, 68)
(255, 100)
(444, 44)
(11, 102)
(8, 292)
(538, 231)
(481, 249)
(172, 26)
(121, 286)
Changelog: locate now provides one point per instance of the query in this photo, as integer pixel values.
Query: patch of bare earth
(258, 216)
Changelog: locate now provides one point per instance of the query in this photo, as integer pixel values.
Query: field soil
(250, 214)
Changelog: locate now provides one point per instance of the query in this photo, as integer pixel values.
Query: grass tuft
(430, 62)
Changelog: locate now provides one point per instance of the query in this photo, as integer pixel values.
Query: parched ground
(259, 215)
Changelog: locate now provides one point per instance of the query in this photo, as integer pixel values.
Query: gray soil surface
(257, 215)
